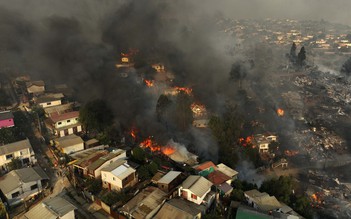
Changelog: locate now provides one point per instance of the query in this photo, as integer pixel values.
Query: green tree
(96, 115)
(8, 135)
(183, 114)
(280, 187)
(301, 57)
(94, 186)
(15, 164)
(346, 67)
(138, 155)
(113, 197)
(143, 173)
(302, 205)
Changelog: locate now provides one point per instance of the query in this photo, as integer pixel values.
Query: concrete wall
(73, 148)
(25, 192)
(22, 154)
(51, 103)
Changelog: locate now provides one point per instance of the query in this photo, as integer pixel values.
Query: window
(25, 161)
(68, 120)
(21, 153)
(193, 196)
(34, 187)
(49, 103)
(76, 119)
(9, 156)
(16, 194)
(10, 120)
(59, 123)
(113, 178)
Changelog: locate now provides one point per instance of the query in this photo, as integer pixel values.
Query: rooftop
(179, 208)
(145, 202)
(64, 116)
(119, 168)
(105, 158)
(68, 141)
(169, 177)
(197, 184)
(217, 177)
(35, 83)
(50, 209)
(227, 170)
(264, 201)
(15, 146)
(88, 158)
(6, 115)
(16, 178)
(204, 166)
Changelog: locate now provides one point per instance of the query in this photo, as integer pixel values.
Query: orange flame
(246, 141)
(185, 89)
(149, 83)
(154, 147)
(133, 133)
(280, 112)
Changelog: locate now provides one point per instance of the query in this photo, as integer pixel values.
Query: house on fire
(6, 119)
(118, 175)
(21, 150)
(22, 184)
(64, 124)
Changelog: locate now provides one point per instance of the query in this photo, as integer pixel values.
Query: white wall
(69, 215)
(97, 172)
(21, 154)
(112, 179)
(25, 192)
(198, 201)
(51, 103)
(73, 148)
(66, 122)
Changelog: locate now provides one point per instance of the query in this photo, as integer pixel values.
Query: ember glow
(246, 141)
(133, 133)
(154, 147)
(149, 83)
(280, 112)
(185, 89)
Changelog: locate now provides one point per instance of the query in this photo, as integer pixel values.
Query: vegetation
(292, 54)
(15, 164)
(239, 187)
(301, 57)
(4, 99)
(238, 72)
(96, 116)
(112, 197)
(2, 210)
(147, 171)
(8, 135)
(183, 114)
(346, 67)
(94, 186)
(138, 155)
(227, 130)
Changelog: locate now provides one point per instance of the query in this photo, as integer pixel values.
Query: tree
(113, 197)
(301, 57)
(15, 164)
(96, 115)
(280, 187)
(292, 54)
(4, 98)
(94, 186)
(163, 104)
(183, 114)
(346, 67)
(138, 155)
(8, 135)
(2, 210)
(238, 72)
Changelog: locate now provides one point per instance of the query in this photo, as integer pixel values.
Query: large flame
(185, 89)
(154, 147)
(149, 83)
(280, 112)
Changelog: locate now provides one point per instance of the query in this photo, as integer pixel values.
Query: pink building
(6, 119)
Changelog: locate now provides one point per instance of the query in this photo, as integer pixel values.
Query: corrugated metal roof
(227, 170)
(204, 166)
(15, 178)
(50, 209)
(197, 185)
(15, 146)
(169, 177)
(104, 159)
(6, 115)
(179, 208)
(68, 141)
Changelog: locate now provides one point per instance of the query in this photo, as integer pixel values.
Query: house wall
(6, 123)
(109, 178)
(35, 89)
(21, 154)
(70, 131)
(264, 147)
(188, 197)
(66, 122)
(69, 215)
(97, 172)
(73, 148)
(51, 103)
(25, 192)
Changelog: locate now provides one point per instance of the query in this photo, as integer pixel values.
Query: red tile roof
(205, 166)
(64, 116)
(217, 177)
